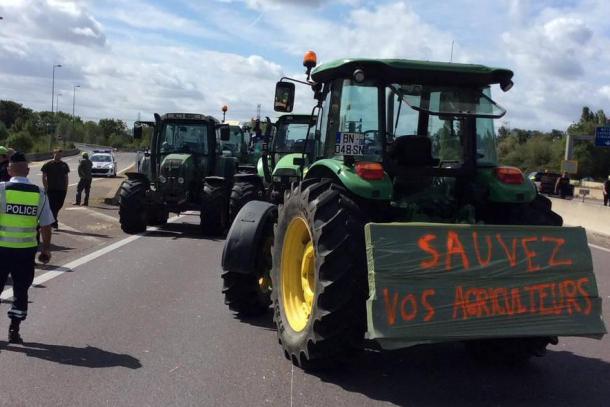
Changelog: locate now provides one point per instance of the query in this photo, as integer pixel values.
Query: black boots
(13, 333)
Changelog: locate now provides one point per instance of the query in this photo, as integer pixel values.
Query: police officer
(23, 207)
(84, 183)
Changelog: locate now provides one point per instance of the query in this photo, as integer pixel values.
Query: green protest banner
(441, 282)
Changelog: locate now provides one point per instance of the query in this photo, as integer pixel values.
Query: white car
(103, 164)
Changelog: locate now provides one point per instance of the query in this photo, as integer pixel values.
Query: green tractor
(275, 168)
(237, 146)
(183, 170)
(402, 229)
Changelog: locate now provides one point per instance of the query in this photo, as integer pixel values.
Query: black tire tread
(242, 193)
(132, 213)
(337, 323)
(214, 210)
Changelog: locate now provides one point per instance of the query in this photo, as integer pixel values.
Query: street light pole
(52, 101)
(73, 106)
(53, 87)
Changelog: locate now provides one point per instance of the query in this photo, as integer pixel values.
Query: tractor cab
(410, 133)
(236, 146)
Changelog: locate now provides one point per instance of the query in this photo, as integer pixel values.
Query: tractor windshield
(290, 137)
(234, 143)
(354, 120)
(191, 138)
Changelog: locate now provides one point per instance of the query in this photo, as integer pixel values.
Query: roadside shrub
(21, 141)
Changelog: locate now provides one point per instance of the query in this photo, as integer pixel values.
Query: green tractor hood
(175, 176)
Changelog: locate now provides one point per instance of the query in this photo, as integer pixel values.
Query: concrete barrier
(592, 216)
(48, 156)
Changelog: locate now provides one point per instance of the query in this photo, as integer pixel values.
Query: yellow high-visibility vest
(20, 205)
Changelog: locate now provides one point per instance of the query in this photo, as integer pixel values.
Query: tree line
(25, 130)
(533, 150)
(29, 131)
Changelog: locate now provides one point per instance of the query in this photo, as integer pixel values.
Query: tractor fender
(347, 177)
(242, 245)
(216, 181)
(251, 178)
(137, 175)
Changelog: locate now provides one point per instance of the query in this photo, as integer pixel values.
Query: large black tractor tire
(333, 325)
(214, 210)
(157, 216)
(242, 193)
(513, 351)
(132, 210)
(250, 294)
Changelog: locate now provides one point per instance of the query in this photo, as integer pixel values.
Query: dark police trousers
(19, 263)
(83, 184)
(56, 201)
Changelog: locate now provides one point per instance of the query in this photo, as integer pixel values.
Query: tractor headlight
(162, 179)
(180, 180)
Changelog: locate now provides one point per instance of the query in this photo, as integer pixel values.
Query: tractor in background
(183, 170)
(275, 167)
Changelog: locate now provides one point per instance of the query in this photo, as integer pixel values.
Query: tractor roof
(189, 116)
(417, 72)
(296, 117)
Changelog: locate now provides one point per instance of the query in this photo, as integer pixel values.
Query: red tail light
(509, 175)
(370, 171)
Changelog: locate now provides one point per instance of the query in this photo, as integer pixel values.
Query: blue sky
(144, 56)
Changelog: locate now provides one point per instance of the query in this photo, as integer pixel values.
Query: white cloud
(66, 21)
(141, 56)
(558, 60)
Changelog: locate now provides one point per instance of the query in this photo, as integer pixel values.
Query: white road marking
(49, 275)
(93, 213)
(291, 383)
(80, 235)
(603, 249)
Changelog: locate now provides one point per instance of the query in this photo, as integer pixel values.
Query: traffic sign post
(569, 166)
(602, 136)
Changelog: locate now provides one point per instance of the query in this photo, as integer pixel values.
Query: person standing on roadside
(4, 156)
(562, 185)
(606, 191)
(23, 207)
(84, 183)
(55, 181)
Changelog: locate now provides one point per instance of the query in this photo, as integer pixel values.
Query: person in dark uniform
(4, 155)
(84, 183)
(562, 185)
(606, 191)
(55, 181)
(23, 208)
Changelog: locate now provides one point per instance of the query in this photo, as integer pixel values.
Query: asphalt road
(140, 321)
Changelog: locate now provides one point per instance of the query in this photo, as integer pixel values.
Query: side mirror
(225, 132)
(284, 97)
(137, 132)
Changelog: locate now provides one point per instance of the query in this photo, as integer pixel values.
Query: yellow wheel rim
(298, 274)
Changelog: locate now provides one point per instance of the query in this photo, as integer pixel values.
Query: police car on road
(104, 163)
